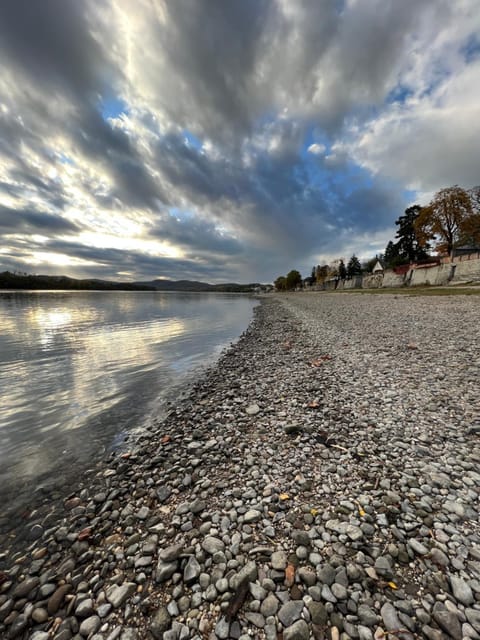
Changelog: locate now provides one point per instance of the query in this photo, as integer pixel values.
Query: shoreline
(55, 426)
(302, 487)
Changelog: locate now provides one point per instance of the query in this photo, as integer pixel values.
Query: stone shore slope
(321, 482)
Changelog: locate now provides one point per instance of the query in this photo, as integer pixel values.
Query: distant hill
(193, 285)
(10, 280)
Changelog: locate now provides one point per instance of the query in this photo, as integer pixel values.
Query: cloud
(317, 149)
(232, 141)
(14, 221)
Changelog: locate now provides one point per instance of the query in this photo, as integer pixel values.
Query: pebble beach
(322, 480)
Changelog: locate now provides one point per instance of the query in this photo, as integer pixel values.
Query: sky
(227, 140)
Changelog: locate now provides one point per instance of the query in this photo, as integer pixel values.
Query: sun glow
(123, 243)
(58, 259)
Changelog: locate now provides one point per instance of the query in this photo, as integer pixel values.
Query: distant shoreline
(9, 281)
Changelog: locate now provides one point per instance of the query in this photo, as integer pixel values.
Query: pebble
(290, 611)
(297, 631)
(117, 595)
(275, 499)
(461, 590)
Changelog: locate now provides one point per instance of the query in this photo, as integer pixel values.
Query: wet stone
(18, 625)
(56, 599)
(23, 588)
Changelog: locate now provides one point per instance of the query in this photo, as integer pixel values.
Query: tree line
(450, 220)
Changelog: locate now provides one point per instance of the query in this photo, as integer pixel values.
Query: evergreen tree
(354, 268)
(408, 246)
(342, 270)
(392, 256)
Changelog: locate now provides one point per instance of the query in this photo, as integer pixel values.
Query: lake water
(79, 370)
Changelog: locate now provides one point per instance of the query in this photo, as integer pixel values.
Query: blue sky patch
(192, 140)
(471, 50)
(112, 107)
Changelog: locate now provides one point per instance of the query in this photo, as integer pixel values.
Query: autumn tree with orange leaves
(446, 219)
(470, 233)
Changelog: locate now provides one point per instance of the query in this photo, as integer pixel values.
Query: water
(79, 370)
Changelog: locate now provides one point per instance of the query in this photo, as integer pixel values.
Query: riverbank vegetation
(449, 223)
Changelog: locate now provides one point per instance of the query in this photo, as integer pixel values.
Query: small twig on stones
(237, 600)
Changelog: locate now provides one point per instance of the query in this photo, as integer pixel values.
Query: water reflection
(76, 368)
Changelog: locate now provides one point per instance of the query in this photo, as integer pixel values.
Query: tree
(322, 273)
(294, 279)
(392, 256)
(408, 245)
(444, 218)
(354, 268)
(342, 270)
(280, 283)
(470, 233)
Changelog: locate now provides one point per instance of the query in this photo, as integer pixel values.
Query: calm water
(79, 370)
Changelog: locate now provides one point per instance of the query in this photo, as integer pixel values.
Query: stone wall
(468, 270)
(442, 274)
(438, 275)
(372, 281)
(392, 279)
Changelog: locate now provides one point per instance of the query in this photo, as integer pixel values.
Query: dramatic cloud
(227, 141)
